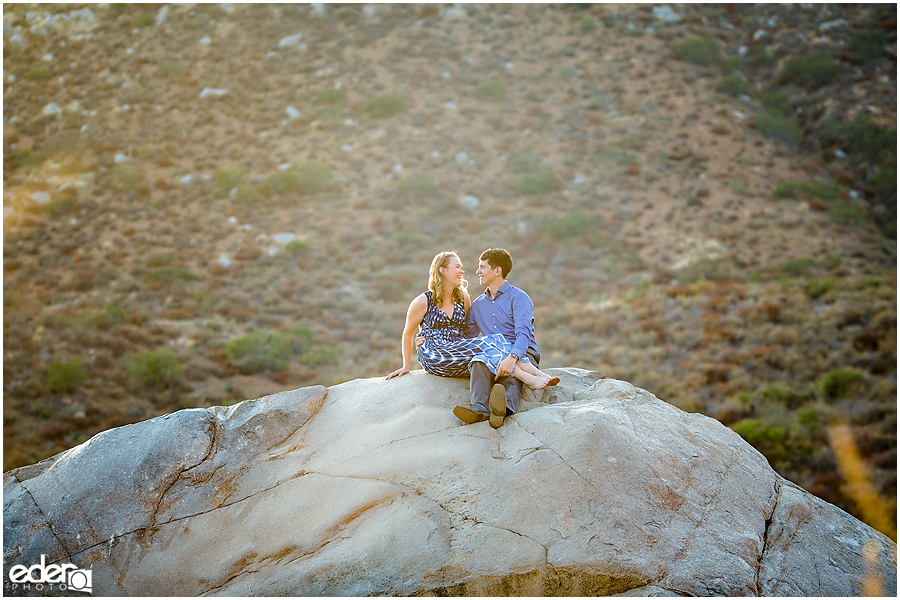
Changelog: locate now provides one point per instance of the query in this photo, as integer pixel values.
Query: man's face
(487, 275)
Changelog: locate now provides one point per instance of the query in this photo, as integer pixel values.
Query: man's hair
(498, 257)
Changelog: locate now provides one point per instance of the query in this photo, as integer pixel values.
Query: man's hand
(420, 339)
(506, 366)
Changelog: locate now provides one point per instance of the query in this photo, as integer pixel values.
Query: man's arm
(523, 321)
(471, 329)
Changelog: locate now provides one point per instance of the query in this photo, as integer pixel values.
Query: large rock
(373, 487)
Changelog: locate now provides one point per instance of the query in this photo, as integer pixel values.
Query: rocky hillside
(211, 202)
(374, 488)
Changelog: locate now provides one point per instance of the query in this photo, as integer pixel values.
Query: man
(507, 310)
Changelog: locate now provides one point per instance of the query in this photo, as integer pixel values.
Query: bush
(267, 351)
(801, 190)
(798, 267)
(537, 183)
(157, 369)
(332, 95)
(586, 25)
(733, 85)
(867, 45)
(775, 101)
(571, 225)
(707, 270)
(416, 188)
(61, 205)
(384, 106)
(314, 178)
(169, 275)
(230, 178)
(836, 384)
(491, 91)
(142, 19)
(784, 395)
(126, 179)
(845, 213)
(700, 51)
(811, 71)
(758, 434)
(816, 288)
(884, 185)
(778, 127)
(279, 183)
(297, 246)
(862, 137)
(65, 377)
(37, 73)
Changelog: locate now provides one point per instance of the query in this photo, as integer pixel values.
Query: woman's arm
(467, 300)
(414, 316)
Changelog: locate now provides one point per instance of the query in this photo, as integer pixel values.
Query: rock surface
(373, 487)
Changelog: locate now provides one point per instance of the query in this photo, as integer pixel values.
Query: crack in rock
(765, 544)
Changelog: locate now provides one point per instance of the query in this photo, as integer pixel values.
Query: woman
(441, 314)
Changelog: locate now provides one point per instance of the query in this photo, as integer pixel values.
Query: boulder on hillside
(373, 487)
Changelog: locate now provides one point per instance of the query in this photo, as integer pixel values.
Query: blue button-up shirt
(510, 312)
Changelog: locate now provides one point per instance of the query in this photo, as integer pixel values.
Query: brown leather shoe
(498, 405)
(470, 414)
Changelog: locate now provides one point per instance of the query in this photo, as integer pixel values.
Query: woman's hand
(398, 373)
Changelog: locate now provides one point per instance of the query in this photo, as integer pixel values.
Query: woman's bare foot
(539, 382)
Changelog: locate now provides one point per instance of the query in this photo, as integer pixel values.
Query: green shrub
(862, 137)
(700, 51)
(65, 377)
(836, 384)
(778, 127)
(798, 267)
(61, 205)
(169, 275)
(845, 213)
(709, 269)
(247, 194)
(775, 101)
(758, 434)
(126, 179)
(167, 70)
(537, 183)
(158, 369)
(230, 178)
(522, 164)
(384, 106)
(297, 246)
(732, 64)
(37, 73)
(332, 95)
(801, 190)
(733, 85)
(832, 261)
(315, 177)
(884, 184)
(783, 394)
(571, 225)
(586, 25)
(490, 91)
(416, 188)
(320, 356)
(816, 288)
(259, 350)
(142, 19)
(161, 259)
(280, 183)
(114, 313)
(867, 45)
(811, 71)
(26, 157)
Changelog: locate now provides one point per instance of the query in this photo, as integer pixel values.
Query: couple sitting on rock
(490, 340)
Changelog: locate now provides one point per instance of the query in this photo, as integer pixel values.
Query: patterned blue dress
(447, 352)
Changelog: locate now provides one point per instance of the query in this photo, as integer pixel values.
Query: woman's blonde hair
(436, 281)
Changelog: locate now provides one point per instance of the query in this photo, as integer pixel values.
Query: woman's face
(453, 273)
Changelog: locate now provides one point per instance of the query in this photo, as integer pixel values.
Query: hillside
(206, 203)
